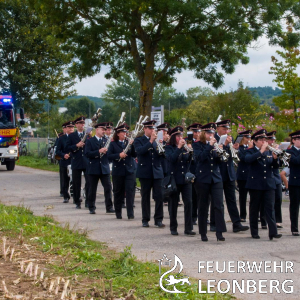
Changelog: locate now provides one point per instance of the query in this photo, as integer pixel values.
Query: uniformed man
(229, 177)
(98, 168)
(271, 137)
(60, 170)
(108, 129)
(242, 171)
(294, 181)
(209, 183)
(65, 160)
(261, 183)
(123, 171)
(164, 127)
(79, 160)
(150, 174)
(196, 128)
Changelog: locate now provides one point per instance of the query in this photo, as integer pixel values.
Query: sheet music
(284, 145)
(222, 139)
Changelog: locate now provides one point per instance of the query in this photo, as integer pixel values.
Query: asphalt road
(39, 190)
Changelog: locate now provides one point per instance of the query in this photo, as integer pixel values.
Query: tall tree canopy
(287, 78)
(32, 65)
(158, 38)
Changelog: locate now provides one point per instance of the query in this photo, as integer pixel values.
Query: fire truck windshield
(6, 117)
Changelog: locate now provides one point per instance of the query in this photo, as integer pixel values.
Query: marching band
(201, 168)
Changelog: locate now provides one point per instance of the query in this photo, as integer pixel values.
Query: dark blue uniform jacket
(260, 176)
(149, 161)
(179, 161)
(61, 150)
(96, 165)
(124, 166)
(294, 163)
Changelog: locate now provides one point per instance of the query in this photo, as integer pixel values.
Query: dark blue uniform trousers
(76, 181)
(267, 198)
(146, 185)
(216, 192)
(243, 191)
(122, 185)
(294, 206)
(105, 181)
(186, 191)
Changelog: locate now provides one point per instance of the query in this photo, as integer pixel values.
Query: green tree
(288, 80)
(156, 39)
(54, 119)
(32, 65)
(79, 107)
(198, 93)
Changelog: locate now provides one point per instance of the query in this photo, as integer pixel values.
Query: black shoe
(119, 217)
(279, 226)
(204, 238)
(295, 234)
(110, 211)
(160, 224)
(190, 233)
(145, 224)
(66, 201)
(130, 217)
(78, 206)
(220, 237)
(174, 232)
(61, 195)
(80, 200)
(256, 236)
(123, 206)
(276, 236)
(264, 227)
(194, 221)
(243, 220)
(240, 228)
(180, 204)
(213, 228)
(92, 212)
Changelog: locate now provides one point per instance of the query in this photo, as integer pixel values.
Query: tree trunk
(146, 93)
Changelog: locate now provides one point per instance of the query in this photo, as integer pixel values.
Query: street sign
(157, 114)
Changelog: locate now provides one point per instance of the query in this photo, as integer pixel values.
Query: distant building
(61, 110)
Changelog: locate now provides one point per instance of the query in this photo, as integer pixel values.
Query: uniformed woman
(209, 182)
(179, 163)
(261, 183)
(278, 192)
(294, 181)
(242, 172)
(123, 171)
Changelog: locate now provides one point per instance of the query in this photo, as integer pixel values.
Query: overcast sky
(254, 74)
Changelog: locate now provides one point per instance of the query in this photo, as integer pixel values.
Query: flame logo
(172, 280)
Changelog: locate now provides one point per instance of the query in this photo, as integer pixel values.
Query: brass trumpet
(137, 130)
(120, 122)
(221, 153)
(283, 156)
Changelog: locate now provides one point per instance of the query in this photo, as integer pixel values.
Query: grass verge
(37, 163)
(91, 260)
